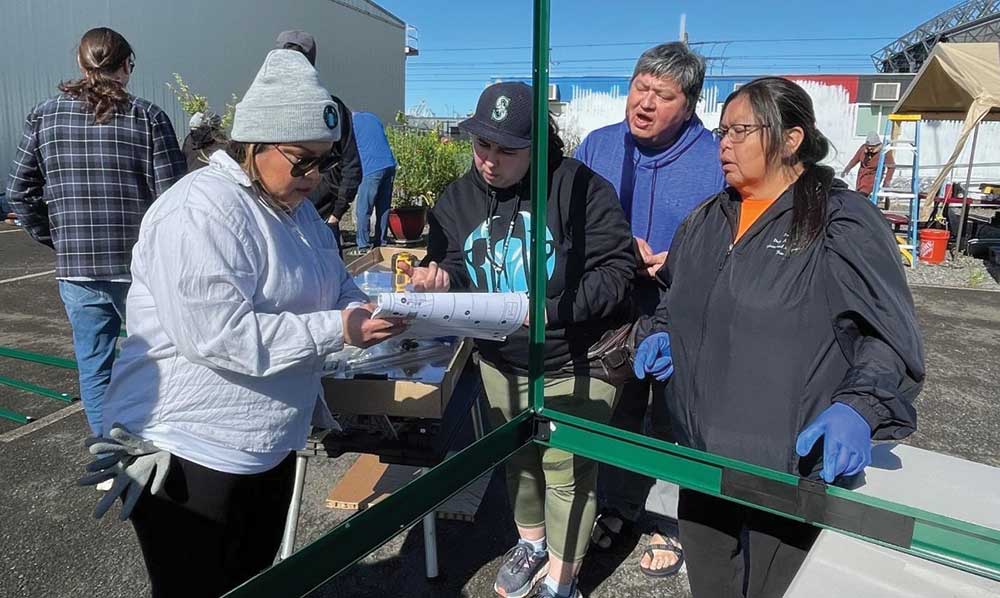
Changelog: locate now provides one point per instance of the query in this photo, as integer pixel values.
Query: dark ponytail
(780, 105)
(102, 53)
(810, 191)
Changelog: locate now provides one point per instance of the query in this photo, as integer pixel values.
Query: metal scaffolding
(972, 21)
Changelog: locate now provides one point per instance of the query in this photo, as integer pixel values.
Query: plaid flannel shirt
(83, 188)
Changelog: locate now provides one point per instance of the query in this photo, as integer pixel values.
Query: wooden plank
(369, 481)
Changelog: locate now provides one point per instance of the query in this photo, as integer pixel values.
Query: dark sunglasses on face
(303, 166)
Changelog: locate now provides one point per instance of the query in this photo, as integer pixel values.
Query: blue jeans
(374, 194)
(96, 310)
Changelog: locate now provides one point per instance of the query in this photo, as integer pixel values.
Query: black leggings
(734, 551)
(210, 531)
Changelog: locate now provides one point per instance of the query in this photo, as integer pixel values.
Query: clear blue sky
(454, 63)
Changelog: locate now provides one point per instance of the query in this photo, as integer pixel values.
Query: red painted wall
(848, 82)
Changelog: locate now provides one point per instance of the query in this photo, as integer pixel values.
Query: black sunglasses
(303, 166)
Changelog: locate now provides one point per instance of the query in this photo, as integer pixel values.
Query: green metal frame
(955, 543)
(58, 362)
(35, 389)
(366, 531)
(14, 416)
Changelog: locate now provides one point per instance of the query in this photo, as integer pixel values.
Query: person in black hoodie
(788, 319)
(339, 183)
(479, 241)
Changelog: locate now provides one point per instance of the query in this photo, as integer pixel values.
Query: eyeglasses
(737, 133)
(304, 166)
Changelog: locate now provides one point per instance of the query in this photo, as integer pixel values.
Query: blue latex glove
(653, 357)
(847, 444)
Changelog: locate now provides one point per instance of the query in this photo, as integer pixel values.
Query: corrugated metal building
(216, 45)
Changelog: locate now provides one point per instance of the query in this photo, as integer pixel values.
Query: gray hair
(676, 61)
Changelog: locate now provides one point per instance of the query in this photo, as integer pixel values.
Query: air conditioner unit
(885, 92)
(553, 92)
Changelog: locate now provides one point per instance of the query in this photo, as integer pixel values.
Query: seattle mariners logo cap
(503, 116)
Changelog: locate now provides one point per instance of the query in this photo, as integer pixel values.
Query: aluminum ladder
(909, 246)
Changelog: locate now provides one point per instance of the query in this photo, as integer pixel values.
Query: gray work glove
(131, 462)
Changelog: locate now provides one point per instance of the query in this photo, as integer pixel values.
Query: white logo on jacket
(778, 245)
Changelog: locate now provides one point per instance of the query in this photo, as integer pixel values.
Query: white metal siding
(216, 45)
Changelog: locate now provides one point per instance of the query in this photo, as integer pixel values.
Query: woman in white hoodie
(239, 302)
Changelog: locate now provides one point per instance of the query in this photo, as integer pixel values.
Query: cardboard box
(368, 481)
(397, 398)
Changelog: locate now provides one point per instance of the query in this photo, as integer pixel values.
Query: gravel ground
(959, 272)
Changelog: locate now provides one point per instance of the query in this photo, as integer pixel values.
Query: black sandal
(606, 531)
(670, 546)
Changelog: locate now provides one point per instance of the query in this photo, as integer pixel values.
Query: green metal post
(539, 201)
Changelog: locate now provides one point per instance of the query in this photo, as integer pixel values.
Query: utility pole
(684, 36)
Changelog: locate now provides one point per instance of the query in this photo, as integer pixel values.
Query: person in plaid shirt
(91, 162)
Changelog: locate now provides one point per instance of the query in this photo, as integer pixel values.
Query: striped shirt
(83, 188)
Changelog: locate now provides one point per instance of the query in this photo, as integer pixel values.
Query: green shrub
(192, 103)
(426, 165)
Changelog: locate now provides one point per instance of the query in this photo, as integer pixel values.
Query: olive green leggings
(549, 486)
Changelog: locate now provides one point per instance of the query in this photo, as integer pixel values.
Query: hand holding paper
(363, 329)
(490, 316)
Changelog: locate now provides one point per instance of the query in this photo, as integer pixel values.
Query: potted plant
(427, 163)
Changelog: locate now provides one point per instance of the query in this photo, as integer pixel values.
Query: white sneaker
(105, 485)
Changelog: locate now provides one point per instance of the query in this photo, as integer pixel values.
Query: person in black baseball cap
(501, 127)
(503, 116)
(339, 184)
(480, 230)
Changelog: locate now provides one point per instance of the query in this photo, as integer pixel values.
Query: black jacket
(200, 144)
(339, 184)
(480, 234)
(764, 339)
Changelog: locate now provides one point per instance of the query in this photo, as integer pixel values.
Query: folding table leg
(292, 520)
(430, 545)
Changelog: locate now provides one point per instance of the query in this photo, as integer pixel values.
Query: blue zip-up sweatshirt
(657, 188)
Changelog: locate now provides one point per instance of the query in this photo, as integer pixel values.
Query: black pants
(735, 551)
(211, 531)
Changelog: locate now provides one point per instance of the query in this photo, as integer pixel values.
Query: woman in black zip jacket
(479, 241)
(792, 331)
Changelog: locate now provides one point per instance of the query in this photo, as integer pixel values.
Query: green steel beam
(539, 203)
(14, 416)
(58, 362)
(38, 390)
(366, 531)
(959, 544)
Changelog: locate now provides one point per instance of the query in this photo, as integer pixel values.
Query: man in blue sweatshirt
(663, 163)
(378, 169)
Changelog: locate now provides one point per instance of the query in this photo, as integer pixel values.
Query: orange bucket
(933, 245)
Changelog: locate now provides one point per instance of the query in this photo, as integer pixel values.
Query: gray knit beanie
(286, 104)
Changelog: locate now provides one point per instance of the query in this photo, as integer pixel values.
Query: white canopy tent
(958, 81)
